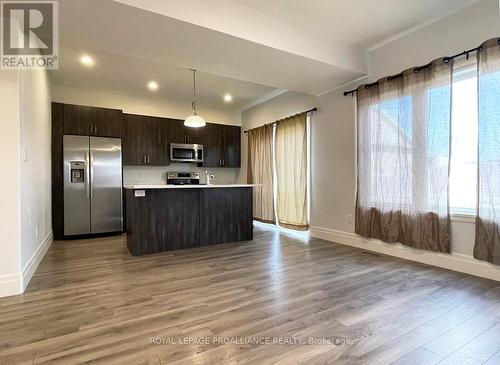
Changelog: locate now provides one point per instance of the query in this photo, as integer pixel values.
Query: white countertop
(165, 186)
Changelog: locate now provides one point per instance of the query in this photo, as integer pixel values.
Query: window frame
(462, 71)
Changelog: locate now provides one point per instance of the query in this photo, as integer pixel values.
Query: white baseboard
(35, 259)
(454, 261)
(14, 284)
(10, 284)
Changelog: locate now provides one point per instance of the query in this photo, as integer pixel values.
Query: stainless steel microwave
(182, 152)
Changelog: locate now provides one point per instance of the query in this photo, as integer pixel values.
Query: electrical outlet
(349, 219)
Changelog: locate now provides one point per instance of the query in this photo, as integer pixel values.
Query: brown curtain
(487, 246)
(260, 171)
(403, 160)
(291, 172)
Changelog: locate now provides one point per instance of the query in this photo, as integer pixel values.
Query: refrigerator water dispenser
(77, 172)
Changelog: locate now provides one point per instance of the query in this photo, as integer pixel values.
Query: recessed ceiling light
(87, 60)
(228, 98)
(153, 85)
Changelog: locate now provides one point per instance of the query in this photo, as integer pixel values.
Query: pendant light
(194, 121)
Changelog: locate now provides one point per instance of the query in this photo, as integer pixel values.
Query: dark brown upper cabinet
(145, 140)
(134, 139)
(90, 121)
(157, 139)
(231, 146)
(107, 123)
(211, 141)
(77, 119)
(194, 135)
(221, 145)
(176, 131)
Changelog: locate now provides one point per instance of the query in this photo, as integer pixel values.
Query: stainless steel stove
(183, 178)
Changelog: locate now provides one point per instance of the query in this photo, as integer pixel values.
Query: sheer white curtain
(260, 171)
(291, 172)
(404, 158)
(487, 246)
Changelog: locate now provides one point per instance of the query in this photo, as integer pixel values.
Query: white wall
(461, 31)
(36, 207)
(10, 216)
(26, 225)
(333, 138)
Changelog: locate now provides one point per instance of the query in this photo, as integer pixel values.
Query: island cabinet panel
(225, 215)
(174, 218)
(162, 220)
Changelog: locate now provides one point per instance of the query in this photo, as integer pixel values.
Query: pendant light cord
(194, 92)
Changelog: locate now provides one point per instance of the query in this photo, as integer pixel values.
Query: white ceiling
(128, 75)
(357, 22)
(249, 48)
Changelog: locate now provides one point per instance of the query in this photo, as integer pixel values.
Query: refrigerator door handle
(91, 180)
(87, 173)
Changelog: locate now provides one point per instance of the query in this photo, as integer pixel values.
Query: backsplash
(157, 174)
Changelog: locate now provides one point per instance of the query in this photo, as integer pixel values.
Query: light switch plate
(139, 193)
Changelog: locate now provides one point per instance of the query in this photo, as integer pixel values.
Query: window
(463, 169)
(395, 133)
(396, 137)
(410, 155)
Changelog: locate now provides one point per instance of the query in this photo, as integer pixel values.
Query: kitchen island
(170, 217)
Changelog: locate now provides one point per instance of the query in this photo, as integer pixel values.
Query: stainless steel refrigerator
(92, 185)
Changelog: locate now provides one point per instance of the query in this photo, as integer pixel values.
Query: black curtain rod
(307, 111)
(417, 69)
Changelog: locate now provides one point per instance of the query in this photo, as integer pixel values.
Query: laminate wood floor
(279, 299)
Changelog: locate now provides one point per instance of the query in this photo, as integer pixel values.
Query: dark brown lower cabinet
(225, 215)
(171, 219)
(162, 220)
